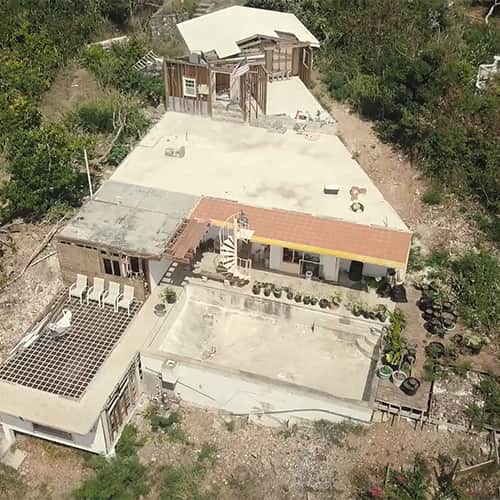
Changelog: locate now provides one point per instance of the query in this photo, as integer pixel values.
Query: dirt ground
(25, 299)
(73, 85)
(256, 462)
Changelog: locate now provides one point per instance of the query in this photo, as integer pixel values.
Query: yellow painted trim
(320, 250)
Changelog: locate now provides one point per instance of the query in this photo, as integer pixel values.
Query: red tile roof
(349, 240)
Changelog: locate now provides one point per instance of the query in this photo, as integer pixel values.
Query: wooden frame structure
(245, 92)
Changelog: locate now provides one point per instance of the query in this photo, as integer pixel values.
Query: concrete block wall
(74, 259)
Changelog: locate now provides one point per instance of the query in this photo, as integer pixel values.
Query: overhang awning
(305, 232)
(187, 237)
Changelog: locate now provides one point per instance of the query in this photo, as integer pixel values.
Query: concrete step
(13, 458)
(227, 118)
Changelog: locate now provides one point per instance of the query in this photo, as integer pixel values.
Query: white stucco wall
(330, 267)
(242, 393)
(275, 257)
(94, 441)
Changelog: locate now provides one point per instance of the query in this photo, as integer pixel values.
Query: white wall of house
(157, 269)
(275, 257)
(330, 266)
(94, 441)
(242, 393)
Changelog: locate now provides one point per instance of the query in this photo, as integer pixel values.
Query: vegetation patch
(122, 476)
(12, 485)
(337, 432)
(487, 413)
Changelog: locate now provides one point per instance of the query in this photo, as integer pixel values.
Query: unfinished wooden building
(235, 54)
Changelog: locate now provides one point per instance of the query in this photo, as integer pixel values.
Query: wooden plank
(495, 446)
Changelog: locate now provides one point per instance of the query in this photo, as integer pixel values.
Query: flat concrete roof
(273, 339)
(137, 219)
(255, 166)
(222, 30)
(286, 97)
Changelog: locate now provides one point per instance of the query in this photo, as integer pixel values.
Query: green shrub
(123, 478)
(489, 411)
(128, 444)
(409, 484)
(45, 167)
(432, 197)
(113, 68)
(96, 116)
(475, 280)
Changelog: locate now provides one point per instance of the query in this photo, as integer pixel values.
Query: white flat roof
(223, 29)
(255, 166)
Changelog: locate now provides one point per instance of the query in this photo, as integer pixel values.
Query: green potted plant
(395, 342)
(323, 303)
(170, 295)
(336, 299)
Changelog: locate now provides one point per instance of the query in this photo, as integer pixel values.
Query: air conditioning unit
(331, 189)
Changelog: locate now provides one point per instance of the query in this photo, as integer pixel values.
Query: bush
(113, 68)
(432, 197)
(337, 432)
(121, 477)
(475, 279)
(45, 167)
(489, 411)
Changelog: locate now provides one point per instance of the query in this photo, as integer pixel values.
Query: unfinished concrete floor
(280, 341)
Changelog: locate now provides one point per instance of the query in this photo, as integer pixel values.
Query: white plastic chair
(126, 299)
(96, 291)
(110, 296)
(78, 289)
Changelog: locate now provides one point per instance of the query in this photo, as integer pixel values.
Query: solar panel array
(67, 365)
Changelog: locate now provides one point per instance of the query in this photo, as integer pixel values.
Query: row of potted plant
(297, 297)
(376, 312)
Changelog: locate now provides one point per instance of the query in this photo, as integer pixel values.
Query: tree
(45, 169)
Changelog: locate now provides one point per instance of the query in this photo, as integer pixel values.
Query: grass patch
(337, 432)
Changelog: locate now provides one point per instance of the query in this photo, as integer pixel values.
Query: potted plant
(298, 297)
(356, 309)
(314, 300)
(306, 300)
(336, 299)
(384, 372)
(289, 295)
(323, 303)
(267, 290)
(395, 342)
(277, 292)
(398, 377)
(256, 288)
(170, 295)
